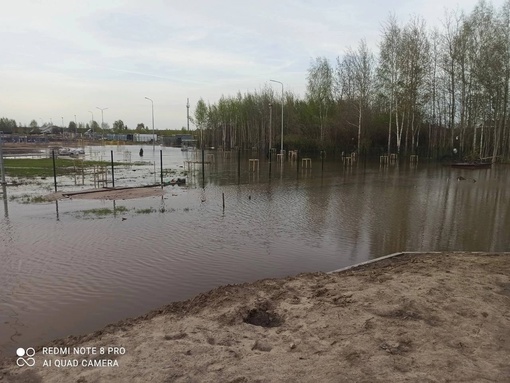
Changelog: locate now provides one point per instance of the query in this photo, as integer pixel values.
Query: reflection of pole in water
(4, 192)
(56, 209)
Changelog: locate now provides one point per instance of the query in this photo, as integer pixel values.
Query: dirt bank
(428, 317)
(109, 194)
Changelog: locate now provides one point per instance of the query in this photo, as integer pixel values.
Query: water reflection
(289, 221)
(56, 211)
(4, 196)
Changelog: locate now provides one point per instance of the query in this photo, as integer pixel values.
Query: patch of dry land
(109, 193)
(412, 318)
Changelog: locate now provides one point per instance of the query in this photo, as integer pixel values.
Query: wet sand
(415, 317)
(109, 193)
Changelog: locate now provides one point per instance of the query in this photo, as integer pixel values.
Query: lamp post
(270, 123)
(75, 126)
(187, 114)
(102, 121)
(281, 147)
(92, 124)
(153, 138)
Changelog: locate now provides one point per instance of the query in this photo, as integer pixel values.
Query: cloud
(66, 56)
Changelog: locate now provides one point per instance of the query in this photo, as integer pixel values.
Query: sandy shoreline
(427, 317)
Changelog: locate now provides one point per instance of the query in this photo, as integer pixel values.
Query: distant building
(138, 137)
(47, 129)
(176, 140)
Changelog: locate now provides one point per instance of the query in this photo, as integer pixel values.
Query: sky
(67, 58)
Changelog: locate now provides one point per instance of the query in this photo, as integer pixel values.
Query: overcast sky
(63, 58)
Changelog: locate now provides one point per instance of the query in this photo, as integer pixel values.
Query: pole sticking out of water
(54, 170)
(161, 165)
(203, 167)
(2, 170)
(223, 196)
(113, 176)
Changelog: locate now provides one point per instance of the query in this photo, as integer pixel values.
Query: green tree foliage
(7, 125)
(72, 127)
(119, 127)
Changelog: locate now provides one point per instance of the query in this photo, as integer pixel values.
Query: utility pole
(102, 121)
(92, 124)
(187, 114)
(153, 137)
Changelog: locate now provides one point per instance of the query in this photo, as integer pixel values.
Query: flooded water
(66, 269)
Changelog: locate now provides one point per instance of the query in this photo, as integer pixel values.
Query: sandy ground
(109, 194)
(411, 318)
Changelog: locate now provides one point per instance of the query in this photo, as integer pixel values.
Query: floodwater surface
(73, 266)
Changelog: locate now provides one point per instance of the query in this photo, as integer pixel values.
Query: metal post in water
(113, 176)
(54, 170)
(2, 170)
(223, 196)
(161, 165)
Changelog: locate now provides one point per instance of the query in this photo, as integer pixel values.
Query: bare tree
(356, 79)
(320, 89)
(389, 74)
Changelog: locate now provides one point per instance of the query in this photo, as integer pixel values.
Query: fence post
(54, 170)
(161, 165)
(113, 175)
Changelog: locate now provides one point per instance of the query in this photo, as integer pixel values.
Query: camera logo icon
(25, 357)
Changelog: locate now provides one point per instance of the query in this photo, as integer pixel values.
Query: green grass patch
(145, 211)
(100, 212)
(27, 199)
(43, 167)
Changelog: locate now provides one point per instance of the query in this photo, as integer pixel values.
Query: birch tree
(320, 89)
(356, 78)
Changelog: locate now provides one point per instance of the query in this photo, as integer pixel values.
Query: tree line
(439, 92)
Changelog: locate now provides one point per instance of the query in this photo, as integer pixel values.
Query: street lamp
(153, 138)
(102, 121)
(75, 126)
(92, 124)
(281, 147)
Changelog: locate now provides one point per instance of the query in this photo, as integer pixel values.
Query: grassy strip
(43, 167)
(104, 211)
